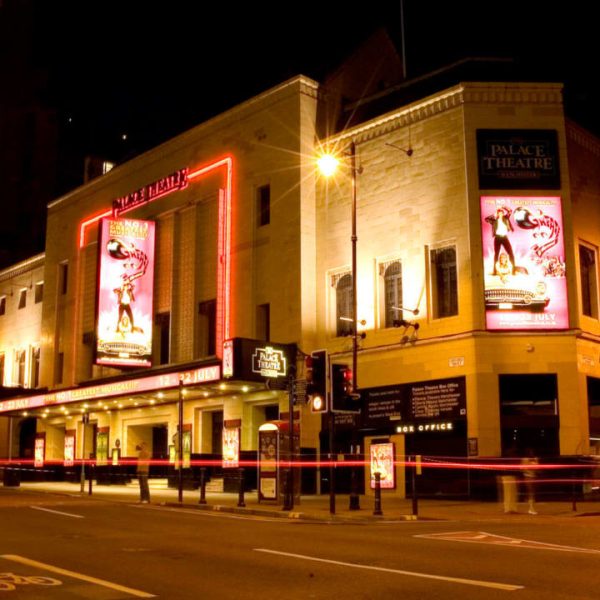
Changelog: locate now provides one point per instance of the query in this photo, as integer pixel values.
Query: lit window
(343, 304)
(23, 298)
(39, 292)
(35, 367)
(392, 291)
(107, 166)
(588, 280)
(444, 285)
(20, 360)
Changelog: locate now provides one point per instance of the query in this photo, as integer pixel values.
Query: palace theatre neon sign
(175, 182)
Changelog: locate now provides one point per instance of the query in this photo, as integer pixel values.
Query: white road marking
(57, 512)
(487, 584)
(74, 575)
(492, 539)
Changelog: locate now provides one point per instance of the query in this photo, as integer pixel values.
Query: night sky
(152, 70)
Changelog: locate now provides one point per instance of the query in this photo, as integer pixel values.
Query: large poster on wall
(524, 263)
(125, 292)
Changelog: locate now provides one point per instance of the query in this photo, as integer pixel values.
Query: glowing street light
(328, 164)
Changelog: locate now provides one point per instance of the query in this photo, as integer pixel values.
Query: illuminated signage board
(256, 360)
(69, 459)
(382, 462)
(39, 450)
(525, 282)
(125, 293)
(425, 427)
(117, 388)
(152, 191)
(518, 159)
(231, 447)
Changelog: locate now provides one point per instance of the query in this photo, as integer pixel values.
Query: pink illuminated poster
(382, 462)
(125, 292)
(524, 263)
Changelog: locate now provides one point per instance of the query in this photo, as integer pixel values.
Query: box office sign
(125, 292)
(256, 360)
(420, 402)
(518, 159)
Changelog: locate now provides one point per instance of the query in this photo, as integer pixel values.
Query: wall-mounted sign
(39, 450)
(257, 360)
(69, 455)
(518, 159)
(524, 263)
(161, 187)
(116, 388)
(231, 447)
(425, 427)
(125, 293)
(382, 462)
(413, 404)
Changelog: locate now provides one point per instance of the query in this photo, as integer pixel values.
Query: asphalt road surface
(57, 547)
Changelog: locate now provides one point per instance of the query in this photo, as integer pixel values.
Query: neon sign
(157, 189)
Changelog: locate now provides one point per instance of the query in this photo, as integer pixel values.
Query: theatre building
(196, 274)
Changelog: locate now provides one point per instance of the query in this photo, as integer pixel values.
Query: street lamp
(328, 164)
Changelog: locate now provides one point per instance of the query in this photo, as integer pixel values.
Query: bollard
(91, 474)
(202, 486)
(377, 510)
(415, 498)
(241, 502)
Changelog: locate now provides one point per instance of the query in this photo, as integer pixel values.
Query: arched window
(392, 285)
(343, 305)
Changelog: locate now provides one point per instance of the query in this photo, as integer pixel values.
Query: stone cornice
(22, 267)
(459, 95)
(583, 138)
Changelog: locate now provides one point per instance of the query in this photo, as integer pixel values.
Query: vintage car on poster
(515, 292)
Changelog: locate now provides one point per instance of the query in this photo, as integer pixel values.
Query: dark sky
(154, 69)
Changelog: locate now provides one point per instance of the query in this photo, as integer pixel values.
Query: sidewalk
(317, 507)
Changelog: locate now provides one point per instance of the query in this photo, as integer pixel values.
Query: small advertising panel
(187, 446)
(102, 446)
(382, 462)
(524, 263)
(69, 459)
(39, 451)
(231, 447)
(125, 292)
(268, 458)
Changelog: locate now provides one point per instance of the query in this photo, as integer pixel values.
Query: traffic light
(343, 398)
(316, 380)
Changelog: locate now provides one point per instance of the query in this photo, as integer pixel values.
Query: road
(62, 547)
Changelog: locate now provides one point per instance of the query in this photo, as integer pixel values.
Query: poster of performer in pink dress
(125, 292)
(524, 263)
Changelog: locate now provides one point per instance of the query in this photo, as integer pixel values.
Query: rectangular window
(3, 305)
(588, 280)
(207, 328)
(21, 358)
(163, 322)
(35, 367)
(63, 278)
(39, 292)
(23, 298)
(444, 284)
(263, 205)
(263, 322)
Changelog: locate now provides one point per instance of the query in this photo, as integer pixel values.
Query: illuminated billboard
(382, 462)
(125, 292)
(524, 263)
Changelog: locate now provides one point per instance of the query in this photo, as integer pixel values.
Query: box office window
(528, 395)
(588, 280)
(444, 284)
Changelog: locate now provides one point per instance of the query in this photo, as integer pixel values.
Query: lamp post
(327, 165)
